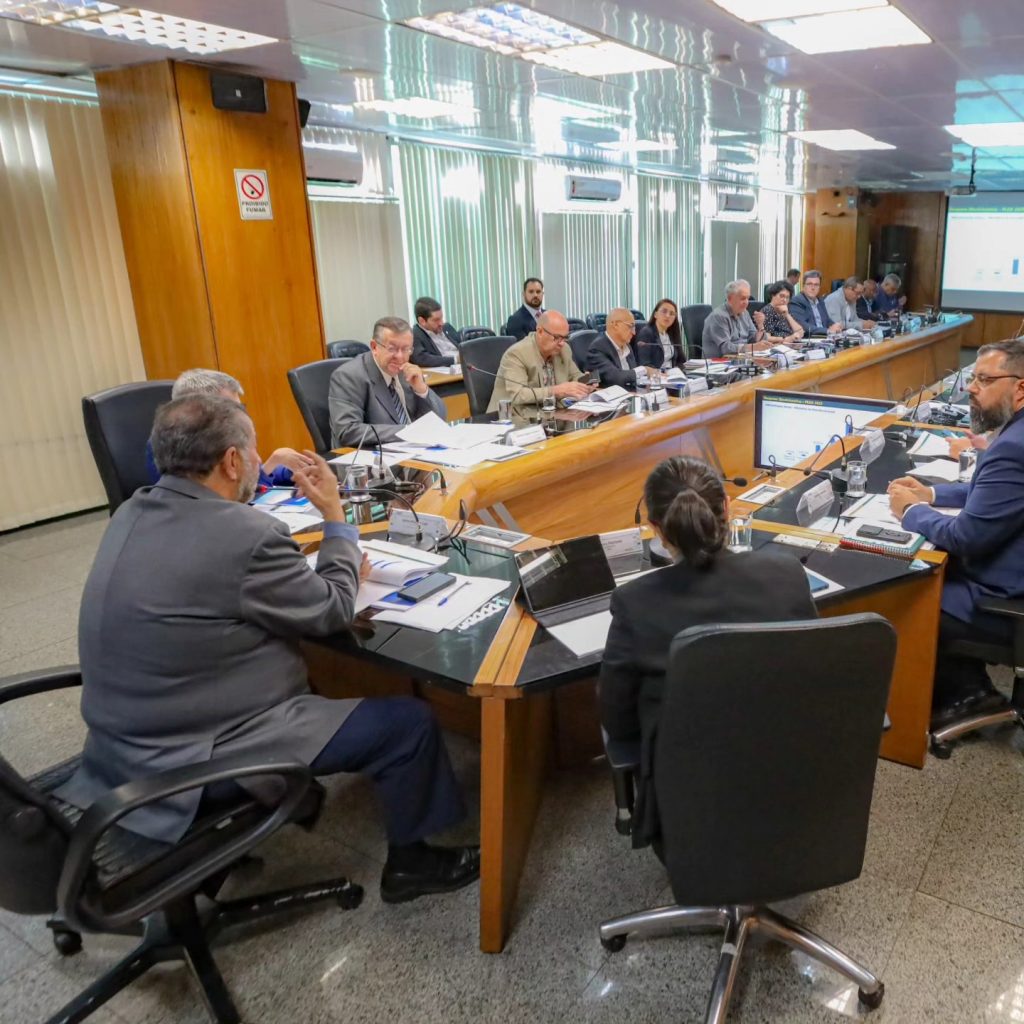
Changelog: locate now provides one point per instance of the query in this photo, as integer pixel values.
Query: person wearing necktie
(381, 387)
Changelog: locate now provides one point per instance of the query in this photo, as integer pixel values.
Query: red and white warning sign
(253, 194)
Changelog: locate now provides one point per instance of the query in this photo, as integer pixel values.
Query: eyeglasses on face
(551, 334)
(405, 350)
(631, 324)
(983, 380)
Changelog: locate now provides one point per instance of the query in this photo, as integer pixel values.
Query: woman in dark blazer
(653, 339)
(688, 510)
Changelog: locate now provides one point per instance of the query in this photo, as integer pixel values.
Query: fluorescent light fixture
(841, 139)
(598, 59)
(154, 29)
(52, 12)
(758, 10)
(843, 31)
(639, 146)
(415, 106)
(989, 136)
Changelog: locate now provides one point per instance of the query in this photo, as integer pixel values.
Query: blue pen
(452, 593)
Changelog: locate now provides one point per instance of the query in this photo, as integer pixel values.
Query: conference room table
(526, 696)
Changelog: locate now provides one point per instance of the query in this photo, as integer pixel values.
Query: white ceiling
(726, 105)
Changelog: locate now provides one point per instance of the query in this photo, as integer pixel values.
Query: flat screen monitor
(790, 426)
(983, 265)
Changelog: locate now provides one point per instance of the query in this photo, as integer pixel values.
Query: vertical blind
(671, 257)
(67, 324)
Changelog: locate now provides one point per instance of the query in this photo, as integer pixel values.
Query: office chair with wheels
(579, 343)
(471, 333)
(95, 876)
(759, 807)
(575, 324)
(118, 423)
(691, 320)
(346, 349)
(310, 385)
(1011, 654)
(596, 321)
(480, 359)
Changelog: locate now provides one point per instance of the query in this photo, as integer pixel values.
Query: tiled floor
(938, 911)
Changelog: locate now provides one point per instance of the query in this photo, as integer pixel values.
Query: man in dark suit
(867, 303)
(986, 540)
(611, 356)
(380, 387)
(434, 343)
(808, 308)
(524, 320)
(189, 647)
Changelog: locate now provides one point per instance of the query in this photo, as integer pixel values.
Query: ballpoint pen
(452, 592)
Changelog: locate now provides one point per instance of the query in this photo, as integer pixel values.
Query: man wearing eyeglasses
(612, 355)
(538, 367)
(986, 539)
(380, 387)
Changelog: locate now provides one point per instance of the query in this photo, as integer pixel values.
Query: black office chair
(763, 805)
(346, 349)
(310, 385)
(837, 282)
(1012, 654)
(118, 423)
(596, 321)
(470, 333)
(579, 343)
(575, 324)
(691, 319)
(753, 306)
(480, 359)
(638, 318)
(95, 876)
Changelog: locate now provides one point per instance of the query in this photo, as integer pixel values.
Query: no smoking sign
(253, 194)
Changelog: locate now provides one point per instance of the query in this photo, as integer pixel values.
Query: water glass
(548, 406)
(357, 479)
(968, 457)
(504, 410)
(740, 534)
(856, 478)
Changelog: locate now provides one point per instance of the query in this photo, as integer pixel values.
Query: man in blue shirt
(985, 540)
(889, 302)
(276, 471)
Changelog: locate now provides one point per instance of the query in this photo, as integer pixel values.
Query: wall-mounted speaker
(304, 106)
(244, 93)
(896, 242)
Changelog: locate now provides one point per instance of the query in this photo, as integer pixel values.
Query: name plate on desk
(812, 503)
(404, 523)
(658, 398)
(526, 435)
(695, 385)
(872, 445)
(815, 353)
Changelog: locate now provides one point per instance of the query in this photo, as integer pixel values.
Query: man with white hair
(729, 329)
(276, 471)
(889, 302)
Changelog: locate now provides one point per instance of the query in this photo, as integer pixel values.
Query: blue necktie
(399, 405)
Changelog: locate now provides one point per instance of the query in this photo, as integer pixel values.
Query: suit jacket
(188, 639)
(802, 309)
(649, 351)
(867, 309)
(358, 395)
(521, 323)
(603, 359)
(520, 375)
(756, 586)
(425, 351)
(986, 540)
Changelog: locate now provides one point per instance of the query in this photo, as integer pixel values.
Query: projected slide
(984, 262)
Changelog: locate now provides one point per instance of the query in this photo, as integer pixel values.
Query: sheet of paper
(297, 522)
(874, 507)
(406, 551)
(938, 469)
(815, 578)
(613, 395)
(428, 429)
(465, 458)
(930, 444)
(466, 435)
(584, 636)
(365, 458)
(433, 616)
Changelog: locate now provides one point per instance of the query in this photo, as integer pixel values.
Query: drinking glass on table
(740, 534)
(856, 478)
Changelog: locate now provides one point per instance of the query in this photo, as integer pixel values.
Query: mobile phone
(869, 531)
(426, 587)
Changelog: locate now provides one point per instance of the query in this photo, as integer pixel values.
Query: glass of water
(968, 457)
(740, 534)
(856, 478)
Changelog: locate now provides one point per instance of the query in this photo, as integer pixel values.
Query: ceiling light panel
(841, 140)
(598, 59)
(989, 136)
(844, 31)
(140, 26)
(52, 12)
(759, 10)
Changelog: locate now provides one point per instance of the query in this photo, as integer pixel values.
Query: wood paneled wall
(834, 235)
(988, 327)
(209, 288)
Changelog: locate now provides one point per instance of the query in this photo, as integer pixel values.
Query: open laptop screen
(565, 573)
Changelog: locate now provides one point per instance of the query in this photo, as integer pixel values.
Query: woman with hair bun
(707, 584)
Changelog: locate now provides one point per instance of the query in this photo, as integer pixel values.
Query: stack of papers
(584, 636)
(466, 458)
(297, 522)
(298, 514)
(938, 469)
(447, 608)
(432, 431)
(365, 458)
(930, 445)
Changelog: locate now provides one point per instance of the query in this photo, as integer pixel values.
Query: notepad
(584, 636)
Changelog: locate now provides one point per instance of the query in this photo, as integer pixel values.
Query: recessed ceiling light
(849, 30)
(598, 59)
(757, 10)
(989, 136)
(140, 26)
(841, 139)
(415, 106)
(52, 12)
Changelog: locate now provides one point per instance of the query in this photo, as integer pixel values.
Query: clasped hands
(906, 491)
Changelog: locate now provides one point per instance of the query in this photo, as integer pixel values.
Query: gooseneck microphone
(507, 380)
(385, 492)
(842, 462)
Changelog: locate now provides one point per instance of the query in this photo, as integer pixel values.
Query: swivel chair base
(738, 922)
(180, 932)
(943, 740)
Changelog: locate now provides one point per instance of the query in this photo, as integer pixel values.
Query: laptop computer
(566, 581)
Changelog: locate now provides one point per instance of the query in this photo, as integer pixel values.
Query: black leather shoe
(442, 870)
(976, 704)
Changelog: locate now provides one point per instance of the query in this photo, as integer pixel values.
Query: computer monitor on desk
(790, 426)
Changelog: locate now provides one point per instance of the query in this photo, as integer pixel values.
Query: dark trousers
(397, 742)
(957, 676)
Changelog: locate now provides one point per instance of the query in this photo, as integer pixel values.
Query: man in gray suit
(188, 640)
(380, 387)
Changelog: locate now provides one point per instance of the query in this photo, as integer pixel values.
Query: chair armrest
(1013, 607)
(25, 684)
(623, 755)
(114, 805)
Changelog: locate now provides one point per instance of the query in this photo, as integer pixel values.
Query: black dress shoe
(440, 869)
(978, 703)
